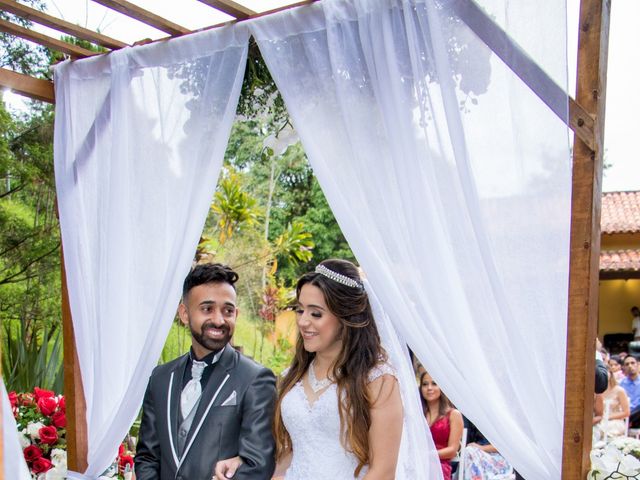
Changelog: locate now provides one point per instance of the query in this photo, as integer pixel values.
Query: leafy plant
(32, 357)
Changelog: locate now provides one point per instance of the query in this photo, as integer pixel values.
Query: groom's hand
(226, 468)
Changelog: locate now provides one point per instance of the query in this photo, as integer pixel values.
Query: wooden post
(585, 242)
(77, 445)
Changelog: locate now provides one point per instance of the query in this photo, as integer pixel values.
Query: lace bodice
(315, 434)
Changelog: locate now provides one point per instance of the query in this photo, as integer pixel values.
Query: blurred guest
(615, 410)
(635, 322)
(631, 385)
(481, 459)
(444, 421)
(615, 365)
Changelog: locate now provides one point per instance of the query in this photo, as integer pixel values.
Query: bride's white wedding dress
(315, 434)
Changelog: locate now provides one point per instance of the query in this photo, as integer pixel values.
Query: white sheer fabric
(418, 457)
(139, 142)
(451, 182)
(14, 465)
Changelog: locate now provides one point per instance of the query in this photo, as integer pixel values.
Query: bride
(339, 412)
(338, 356)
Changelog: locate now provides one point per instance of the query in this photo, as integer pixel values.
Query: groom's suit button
(183, 432)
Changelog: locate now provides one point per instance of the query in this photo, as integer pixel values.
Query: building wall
(620, 241)
(616, 299)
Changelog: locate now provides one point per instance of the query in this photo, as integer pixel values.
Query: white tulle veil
(418, 459)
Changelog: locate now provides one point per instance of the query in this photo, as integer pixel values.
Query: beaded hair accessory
(338, 277)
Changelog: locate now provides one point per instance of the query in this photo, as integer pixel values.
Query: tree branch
(10, 278)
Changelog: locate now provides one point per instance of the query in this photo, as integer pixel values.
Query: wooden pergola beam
(42, 18)
(28, 86)
(586, 196)
(45, 40)
(77, 439)
(230, 8)
(527, 69)
(144, 16)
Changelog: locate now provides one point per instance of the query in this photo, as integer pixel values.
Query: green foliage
(19, 55)
(177, 343)
(32, 356)
(282, 356)
(294, 243)
(29, 253)
(233, 206)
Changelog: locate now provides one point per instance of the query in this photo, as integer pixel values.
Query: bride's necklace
(315, 384)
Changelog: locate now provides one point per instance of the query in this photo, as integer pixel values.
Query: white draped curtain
(449, 178)
(451, 182)
(14, 465)
(140, 136)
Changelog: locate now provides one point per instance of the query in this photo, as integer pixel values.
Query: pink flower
(26, 399)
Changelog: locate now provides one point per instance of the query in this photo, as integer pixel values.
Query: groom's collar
(209, 359)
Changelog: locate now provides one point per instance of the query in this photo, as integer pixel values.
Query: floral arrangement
(619, 459)
(41, 420)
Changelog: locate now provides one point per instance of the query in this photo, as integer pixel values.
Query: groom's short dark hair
(209, 273)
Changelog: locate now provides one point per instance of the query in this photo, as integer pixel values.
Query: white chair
(460, 455)
(631, 432)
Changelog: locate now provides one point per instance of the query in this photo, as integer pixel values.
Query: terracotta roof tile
(620, 260)
(620, 212)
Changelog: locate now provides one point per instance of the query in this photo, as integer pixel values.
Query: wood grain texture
(28, 86)
(585, 242)
(77, 440)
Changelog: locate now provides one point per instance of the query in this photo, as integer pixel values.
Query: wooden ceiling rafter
(27, 85)
(230, 7)
(579, 120)
(41, 18)
(44, 40)
(145, 16)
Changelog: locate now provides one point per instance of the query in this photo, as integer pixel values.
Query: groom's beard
(209, 343)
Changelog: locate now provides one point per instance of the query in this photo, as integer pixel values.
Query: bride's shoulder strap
(382, 368)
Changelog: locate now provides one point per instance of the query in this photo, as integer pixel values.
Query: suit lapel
(173, 404)
(211, 393)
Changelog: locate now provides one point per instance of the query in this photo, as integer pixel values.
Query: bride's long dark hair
(361, 351)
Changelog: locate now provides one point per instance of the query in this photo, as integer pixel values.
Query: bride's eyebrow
(311, 305)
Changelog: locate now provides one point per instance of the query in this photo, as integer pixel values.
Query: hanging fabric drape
(451, 182)
(140, 136)
(14, 466)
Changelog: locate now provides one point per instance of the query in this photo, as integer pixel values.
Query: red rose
(13, 399)
(41, 393)
(59, 419)
(124, 461)
(26, 399)
(31, 453)
(48, 435)
(121, 450)
(62, 404)
(47, 405)
(41, 465)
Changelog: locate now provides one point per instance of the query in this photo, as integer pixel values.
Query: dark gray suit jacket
(241, 427)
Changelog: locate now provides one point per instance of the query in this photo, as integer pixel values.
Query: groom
(212, 403)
